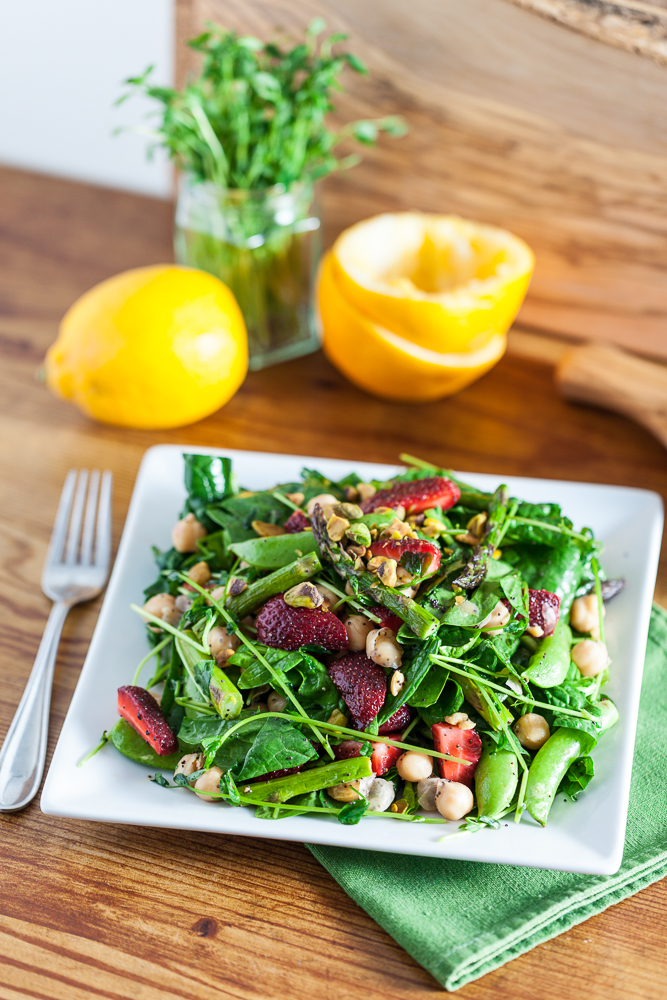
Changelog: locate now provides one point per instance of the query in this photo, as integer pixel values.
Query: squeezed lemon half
(416, 306)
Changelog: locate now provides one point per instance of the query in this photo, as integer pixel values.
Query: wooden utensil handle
(606, 376)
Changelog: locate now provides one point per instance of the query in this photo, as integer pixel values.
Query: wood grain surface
(516, 121)
(102, 911)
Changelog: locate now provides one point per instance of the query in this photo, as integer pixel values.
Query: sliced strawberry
(387, 618)
(543, 609)
(362, 683)
(399, 720)
(141, 710)
(296, 522)
(401, 549)
(283, 627)
(416, 496)
(464, 743)
(383, 757)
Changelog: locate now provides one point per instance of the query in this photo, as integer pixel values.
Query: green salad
(415, 649)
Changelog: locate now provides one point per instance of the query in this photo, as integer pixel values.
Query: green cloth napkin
(461, 919)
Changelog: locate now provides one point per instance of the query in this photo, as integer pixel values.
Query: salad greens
(321, 646)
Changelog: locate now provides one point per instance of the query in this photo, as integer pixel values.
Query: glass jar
(265, 245)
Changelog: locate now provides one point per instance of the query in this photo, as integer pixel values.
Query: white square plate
(586, 836)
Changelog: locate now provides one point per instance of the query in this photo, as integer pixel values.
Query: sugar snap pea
(275, 551)
(496, 779)
(555, 756)
(550, 663)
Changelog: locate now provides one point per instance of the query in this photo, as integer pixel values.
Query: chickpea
(218, 594)
(209, 782)
(381, 795)
(366, 491)
(186, 533)
(190, 763)
(426, 790)
(358, 628)
(276, 702)
(199, 573)
(184, 603)
(222, 644)
(532, 731)
(163, 606)
(413, 766)
(590, 657)
(329, 597)
(383, 649)
(584, 616)
(498, 619)
(453, 800)
(323, 499)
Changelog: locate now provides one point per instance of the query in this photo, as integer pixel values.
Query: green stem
(200, 706)
(341, 730)
(155, 651)
(522, 793)
(551, 527)
(598, 593)
(334, 812)
(283, 499)
(96, 749)
(170, 628)
(345, 599)
(447, 660)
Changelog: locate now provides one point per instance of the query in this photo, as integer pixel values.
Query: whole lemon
(159, 346)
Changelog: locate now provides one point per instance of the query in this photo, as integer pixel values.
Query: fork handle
(23, 753)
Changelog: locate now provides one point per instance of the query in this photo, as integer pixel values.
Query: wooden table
(110, 911)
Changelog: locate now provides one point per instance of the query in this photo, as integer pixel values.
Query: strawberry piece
(363, 685)
(464, 743)
(427, 553)
(416, 496)
(399, 720)
(141, 710)
(383, 757)
(543, 609)
(387, 618)
(296, 522)
(283, 627)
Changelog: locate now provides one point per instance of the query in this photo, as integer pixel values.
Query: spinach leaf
(430, 688)
(414, 673)
(548, 512)
(557, 568)
(484, 600)
(208, 480)
(167, 562)
(254, 673)
(261, 506)
(578, 775)
(449, 702)
(214, 549)
(277, 745)
(352, 812)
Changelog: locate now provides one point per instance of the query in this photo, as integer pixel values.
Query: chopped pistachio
(359, 534)
(385, 569)
(336, 527)
(348, 510)
(304, 595)
(366, 491)
(236, 586)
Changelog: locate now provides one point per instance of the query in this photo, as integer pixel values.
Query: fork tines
(85, 499)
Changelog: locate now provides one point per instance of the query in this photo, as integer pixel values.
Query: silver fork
(76, 569)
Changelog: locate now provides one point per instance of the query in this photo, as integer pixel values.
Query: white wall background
(62, 63)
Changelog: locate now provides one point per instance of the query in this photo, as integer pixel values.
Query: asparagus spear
(494, 529)
(421, 621)
(275, 583)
